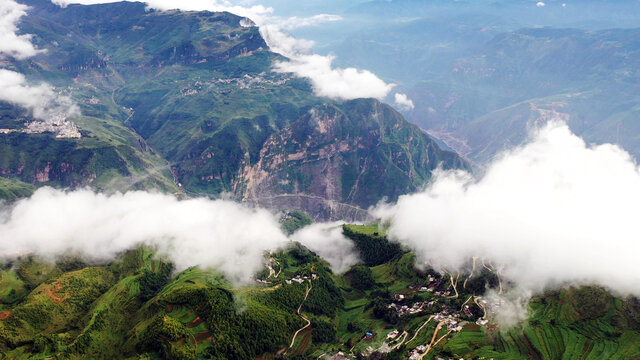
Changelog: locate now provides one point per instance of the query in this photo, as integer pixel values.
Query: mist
(328, 241)
(42, 101)
(216, 234)
(554, 212)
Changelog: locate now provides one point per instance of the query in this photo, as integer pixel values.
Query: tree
(360, 277)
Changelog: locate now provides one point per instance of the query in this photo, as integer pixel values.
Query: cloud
(507, 309)
(403, 102)
(541, 4)
(211, 234)
(41, 100)
(327, 81)
(329, 243)
(295, 22)
(12, 44)
(553, 212)
(335, 83)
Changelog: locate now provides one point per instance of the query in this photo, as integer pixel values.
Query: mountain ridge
(192, 108)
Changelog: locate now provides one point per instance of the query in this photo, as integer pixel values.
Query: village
(449, 319)
(438, 300)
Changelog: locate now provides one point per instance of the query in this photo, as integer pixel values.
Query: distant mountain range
(186, 102)
(480, 73)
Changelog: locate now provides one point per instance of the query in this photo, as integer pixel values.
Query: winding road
(302, 316)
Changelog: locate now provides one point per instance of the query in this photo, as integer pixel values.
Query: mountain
(486, 102)
(138, 307)
(187, 102)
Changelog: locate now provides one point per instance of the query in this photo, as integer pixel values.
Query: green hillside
(138, 307)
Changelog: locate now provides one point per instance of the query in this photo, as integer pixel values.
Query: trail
(432, 345)
(404, 337)
(279, 269)
(302, 316)
(475, 299)
(454, 284)
(433, 342)
(420, 329)
(465, 303)
(497, 272)
(473, 269)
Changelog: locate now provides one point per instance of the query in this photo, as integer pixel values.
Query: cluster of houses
(414, 309)
(417, 353)
(452, 321)
(300, 279)
(433, 287)
(253, 82)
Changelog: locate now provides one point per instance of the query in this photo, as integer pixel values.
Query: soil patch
(195, 322)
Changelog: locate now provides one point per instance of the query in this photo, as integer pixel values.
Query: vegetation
(294, 220)
(360, 277)
(136, 307)
(374, 248)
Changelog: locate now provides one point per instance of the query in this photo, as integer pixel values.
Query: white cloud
(298, 22)
(541, 4)
(329, 243)
(12, 44)
(41, 100)
(327, 81)
(403, 102)
(553, 212)
(217, 234)
(337, 83)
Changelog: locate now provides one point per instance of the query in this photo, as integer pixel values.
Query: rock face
(337, 160)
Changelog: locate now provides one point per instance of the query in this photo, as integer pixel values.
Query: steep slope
(351, 153)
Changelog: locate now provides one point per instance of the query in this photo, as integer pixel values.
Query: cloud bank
(335, 83)
(553, 212)
(211, 234)
(329, 243)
